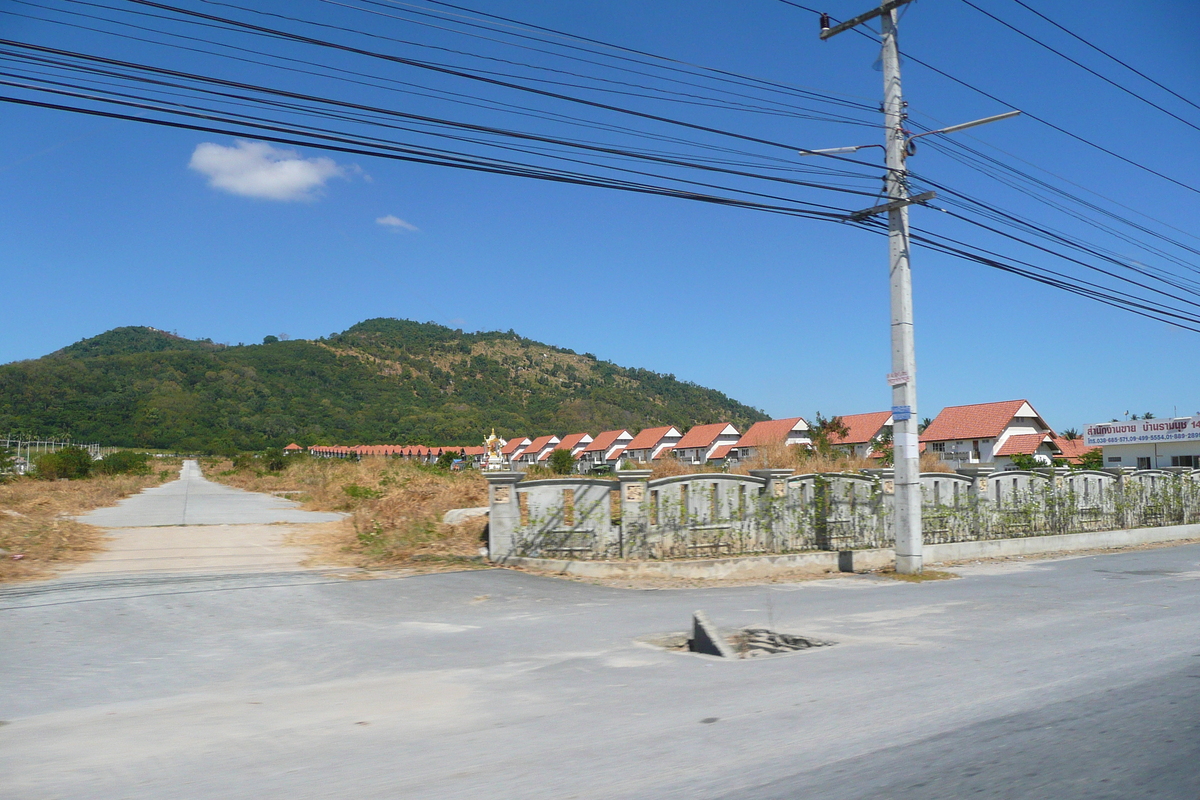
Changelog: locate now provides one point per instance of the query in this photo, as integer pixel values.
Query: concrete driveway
(194, 525)
(1076, 678)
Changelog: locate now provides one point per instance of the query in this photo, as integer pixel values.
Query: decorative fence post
(504, 515)
(635, 516)
(773, 499)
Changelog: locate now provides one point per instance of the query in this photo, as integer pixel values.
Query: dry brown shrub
(668, 467)
(800, 461)
(395, 506)
(36, 524)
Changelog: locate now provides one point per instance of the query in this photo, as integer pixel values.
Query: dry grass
(395, 508)
(36, 529)
(922, 577)
(800, 461)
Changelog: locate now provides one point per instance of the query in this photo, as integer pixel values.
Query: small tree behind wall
(562, 462)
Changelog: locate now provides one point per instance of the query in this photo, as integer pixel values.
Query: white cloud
(256, 169)
(396, 224)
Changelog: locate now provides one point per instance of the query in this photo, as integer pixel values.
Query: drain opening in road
(737, 643)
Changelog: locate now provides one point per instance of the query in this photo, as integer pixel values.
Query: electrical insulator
(824, 22)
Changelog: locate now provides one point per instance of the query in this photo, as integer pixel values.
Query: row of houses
(988, 434)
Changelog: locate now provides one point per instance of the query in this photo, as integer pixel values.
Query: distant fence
(774, 512)
(26, 450)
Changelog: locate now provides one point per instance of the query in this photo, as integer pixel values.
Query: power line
(1083, 67)
(203, 118)
(1026, 113)
(1107, 54)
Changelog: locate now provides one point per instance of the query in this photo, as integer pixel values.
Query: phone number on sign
(1150, 437)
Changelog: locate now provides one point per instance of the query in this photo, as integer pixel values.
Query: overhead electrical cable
(437, 94)
(1024, 112)
(472, 76)
(1108, 55)
(1082, 66)
(403, 115)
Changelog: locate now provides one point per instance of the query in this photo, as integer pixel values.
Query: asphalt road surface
(1077, 678)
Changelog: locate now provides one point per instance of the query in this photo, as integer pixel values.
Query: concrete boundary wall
(818, 562)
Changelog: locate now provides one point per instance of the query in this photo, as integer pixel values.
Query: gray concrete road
(192, 525)
(194, 500)
(1071, 679)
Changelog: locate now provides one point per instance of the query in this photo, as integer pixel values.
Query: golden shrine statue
(493, 455)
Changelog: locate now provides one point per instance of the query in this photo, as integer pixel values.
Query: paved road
(191, 525)
(194, 500)
(1071, 679)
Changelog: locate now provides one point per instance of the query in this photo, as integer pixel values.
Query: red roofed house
(651, 442)
(514, 447)
(601, 449)
(793, 430)
(862, 432)
(572, 442)
(533, 454)
(575, 442)
(1072, 449)
(292, 448)
(701, 441)
(990, 434)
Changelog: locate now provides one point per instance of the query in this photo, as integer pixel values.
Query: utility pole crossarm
(859, 216)
(861, 18)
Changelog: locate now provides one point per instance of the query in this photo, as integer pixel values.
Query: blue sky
(103, 223)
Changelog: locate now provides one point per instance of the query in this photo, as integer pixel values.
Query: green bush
(361, 492)
(562, 462)
(124, 462)
(70, 462)
(274, 459)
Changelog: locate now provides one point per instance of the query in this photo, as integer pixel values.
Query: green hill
(381, 381)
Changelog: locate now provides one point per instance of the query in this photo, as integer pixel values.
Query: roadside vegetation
(37, 529)
(395, 506)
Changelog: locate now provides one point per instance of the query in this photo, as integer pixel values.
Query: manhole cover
(750, 642)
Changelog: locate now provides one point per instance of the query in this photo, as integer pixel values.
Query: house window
(975, 449)
(1185, 461)
(1114, 459)
(1144, 463)
(938, 447)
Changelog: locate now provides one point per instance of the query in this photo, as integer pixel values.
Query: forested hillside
(383, 380)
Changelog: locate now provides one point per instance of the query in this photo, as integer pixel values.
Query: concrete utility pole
(903, 378)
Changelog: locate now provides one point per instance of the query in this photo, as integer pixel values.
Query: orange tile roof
(666, 451)
(648, 438)
(720, 452)
(769, 432)
(861, 428)
(978, 421)
(514, 444)
(604, 441)
(1072, 449)
(538, 444)
(571, 441)
(616, 453)
(1025, 443)
(293, 446)
(702, 435)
